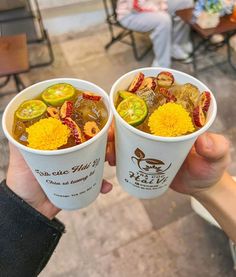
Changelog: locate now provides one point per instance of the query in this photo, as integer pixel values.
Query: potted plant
(207, 13)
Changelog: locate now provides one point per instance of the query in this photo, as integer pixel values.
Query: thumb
(213, 147)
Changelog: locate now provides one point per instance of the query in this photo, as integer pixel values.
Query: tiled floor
(118, 235)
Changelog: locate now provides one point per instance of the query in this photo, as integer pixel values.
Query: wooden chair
(23, 16)
(111, 19)
(14, 59)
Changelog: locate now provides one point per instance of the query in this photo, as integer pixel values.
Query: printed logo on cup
(151, 174)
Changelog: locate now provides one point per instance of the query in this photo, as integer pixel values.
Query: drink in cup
(159, 113)
(60, 126)
(73, 115)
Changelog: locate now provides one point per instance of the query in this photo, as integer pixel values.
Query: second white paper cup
(147, 164)
(72, 177)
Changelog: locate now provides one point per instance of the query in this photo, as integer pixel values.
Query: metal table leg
(229, 50)
(196, 47)
(233, 252)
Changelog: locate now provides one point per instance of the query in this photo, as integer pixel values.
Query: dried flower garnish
(170, 120)
(47, 134)
(53, 112)
(91, 129)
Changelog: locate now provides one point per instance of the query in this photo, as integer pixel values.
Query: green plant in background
(213, 6)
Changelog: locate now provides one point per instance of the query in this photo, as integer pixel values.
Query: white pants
(163, 31)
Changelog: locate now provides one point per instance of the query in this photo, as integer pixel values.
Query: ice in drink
(61, 116)
(161, 106)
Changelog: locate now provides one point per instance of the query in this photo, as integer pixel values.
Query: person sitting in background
(170, 39)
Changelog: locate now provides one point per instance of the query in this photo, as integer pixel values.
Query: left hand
(22, 182)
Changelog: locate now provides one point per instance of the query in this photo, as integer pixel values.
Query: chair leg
(5, 82)
(19, 83)
(229, 51)
(124, 33)
(50, 52)
(118, 37)
(233, 251)
(138, 56)
(114, 39)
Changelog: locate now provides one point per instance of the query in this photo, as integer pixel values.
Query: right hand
(204, 166)
(110, 152)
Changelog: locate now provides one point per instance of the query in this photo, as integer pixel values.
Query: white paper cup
(147, 164)
(72, 177)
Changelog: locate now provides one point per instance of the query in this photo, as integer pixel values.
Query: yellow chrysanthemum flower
(47, 134)
(170, 120)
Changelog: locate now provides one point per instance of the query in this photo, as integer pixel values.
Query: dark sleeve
(27, 238)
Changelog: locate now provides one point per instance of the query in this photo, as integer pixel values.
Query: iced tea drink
(161, 106)
(159, 113)
(61, 116)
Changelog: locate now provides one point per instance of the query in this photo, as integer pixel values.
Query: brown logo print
(150, 173)
(149, 166)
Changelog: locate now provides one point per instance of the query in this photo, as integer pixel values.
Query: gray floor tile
(66, 257)
(187, 247)
(101, 231)
(167, 208)
(197, 248)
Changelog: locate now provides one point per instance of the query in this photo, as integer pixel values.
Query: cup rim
(99, 90)
(159, 138)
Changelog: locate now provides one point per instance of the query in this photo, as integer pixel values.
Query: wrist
(46, 208)
(219, 200)
(217, 192)
(41, 205)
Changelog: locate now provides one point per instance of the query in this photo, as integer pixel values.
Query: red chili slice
(66, 109)
(149, 82)
(75, 130)
(165, 79)
(205, 100)
(136, 83)
(168, 95)
(199, 117)
(91, 96)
